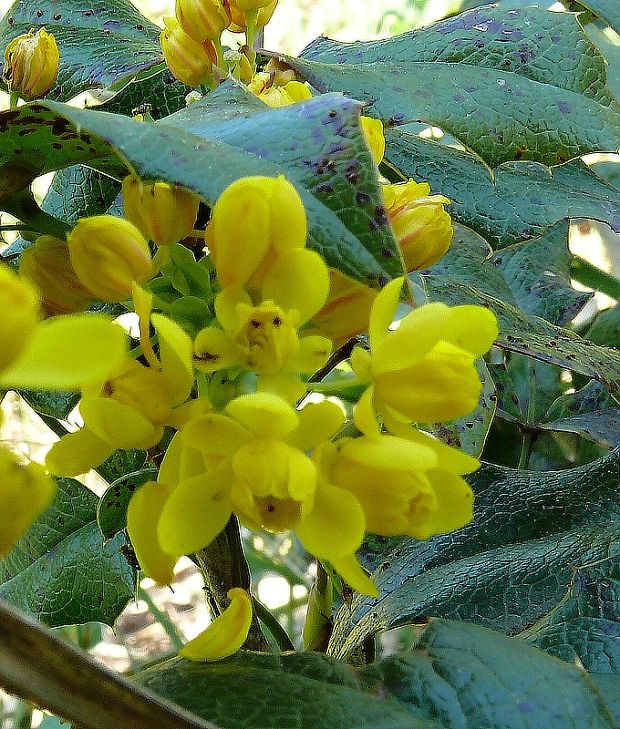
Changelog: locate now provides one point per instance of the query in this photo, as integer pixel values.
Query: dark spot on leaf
(57, 16)
(325, 188)
(564, 107)
(362, 198)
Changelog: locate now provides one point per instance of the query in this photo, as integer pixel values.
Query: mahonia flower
(406, 485)
(189, 61)
(162, 212)
(226, 634)
(31, 63)
(129, 408)
(420, 223)
(424, 371)
(48, 265)
(109, 255)
(251, 460)
(203, 19)
(277, 95)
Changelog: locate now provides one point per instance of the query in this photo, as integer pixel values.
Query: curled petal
(472, 328)
(143, 514)
(364, 415)
(226, 634)
(77, 453)
(175, 353)
(264, 414)
(318, 422)
(383, 310)
(353, 574)
(118, 424)
(226, 303)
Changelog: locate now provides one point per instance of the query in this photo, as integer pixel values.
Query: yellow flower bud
(239, 22)
(226, 634)
(375, 139)
(254, 220)
(202, 19)
(48, 265)
(19, 304)
(251, 4)
(31, 63)
(162, 212)
(25, 492)
(189, 61)
(109, 255)
(421, 225)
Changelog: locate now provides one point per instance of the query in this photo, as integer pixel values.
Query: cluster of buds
(191, 41)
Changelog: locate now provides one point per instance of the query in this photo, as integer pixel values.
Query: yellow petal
(388, 452)
(297, 279)
(25, 492)
(353, 574)
(68, 352)
(383, 310)
(318, 422)
(472, 328)
(196, 512)
(288, 387)
(76, 453)
(375, 139)
(334, 528)
(214, 351)
(118, 424)
(312, 354)
(226, 634)
(175, 353)
(264, 414)
(454, 506)
(364, 415)
(143, 514)
(215, 434)
(226, 303)
(448, 459)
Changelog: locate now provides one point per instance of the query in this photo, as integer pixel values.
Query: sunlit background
(146, 628)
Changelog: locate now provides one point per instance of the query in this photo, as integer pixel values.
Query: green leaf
(78, 192)
(585, 626)
(61, 571)
(604, 41)
(533, 336)
(163, 152)
(606, 10)
(605, 329)
(294, 691)
(508, 567)
(467, 676)
(498, 115)
(519, 201)
(542, 46)
(55, 404)
(100, 42)
(112, 507)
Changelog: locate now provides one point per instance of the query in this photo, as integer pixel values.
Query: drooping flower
(226, 634)
(423, 371)
(31, 63)
(252, 461)
(189, 61)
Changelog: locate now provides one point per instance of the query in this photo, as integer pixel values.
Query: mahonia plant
(271, 383)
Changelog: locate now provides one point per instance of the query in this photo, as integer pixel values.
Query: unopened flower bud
(239, 21)
(31, 63)
(421, 225)
(202, 19)
(109, 255)
(189, 61)
(25, 492)
(19, 304)
(162, 212)
(48, 265)
(254, 219)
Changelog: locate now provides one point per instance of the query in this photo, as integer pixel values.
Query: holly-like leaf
(508, 567)
(112, 507)
(62, 571)
(520, 200)
(79, 191)
(101, 42)
(607, 10)
(585, 626)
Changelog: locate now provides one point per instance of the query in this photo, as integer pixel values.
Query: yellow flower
(25, 492)
(48, 265)
(375, 139)
(347, 309)
(239, 18)
(31, 63)
(20, 313)
(406, 485)
(423, 371)
(162, 212)
(254, 220)
(277, 95)
(202, 19)
(109, 255)
(189, 61)
(226, 634)
(263, 337)
(130, 407)
(252, 461)
(422, 227)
